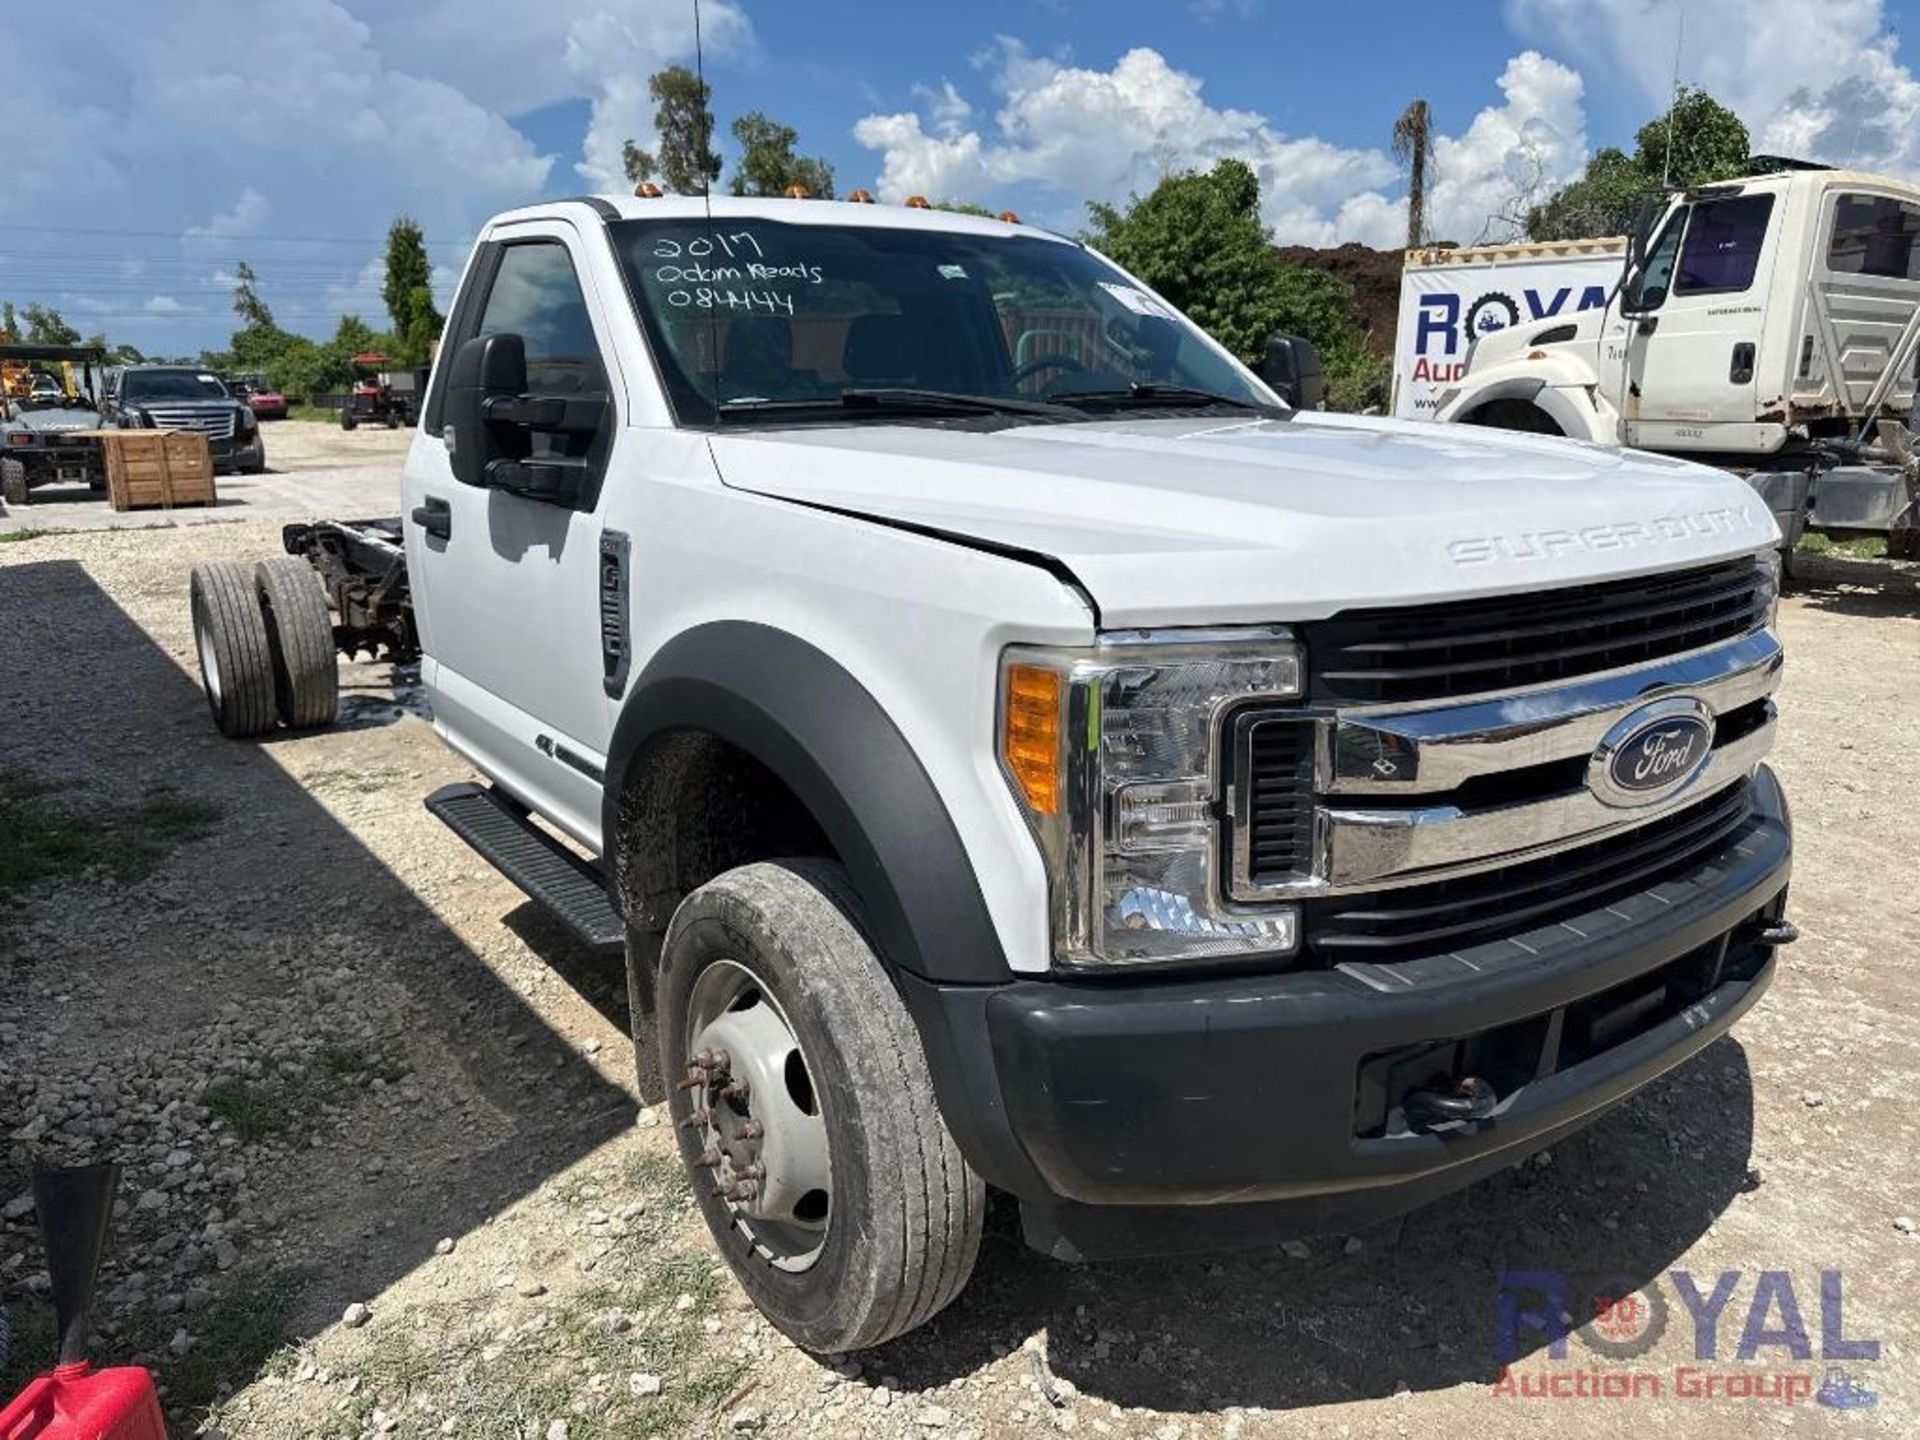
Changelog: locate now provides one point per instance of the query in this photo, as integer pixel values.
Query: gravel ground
(313, 469)
(383, 1174)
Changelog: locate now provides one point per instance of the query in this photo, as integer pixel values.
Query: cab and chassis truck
(1012, 748)
(1769, 326)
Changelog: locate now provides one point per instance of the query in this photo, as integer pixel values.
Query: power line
(236, 240)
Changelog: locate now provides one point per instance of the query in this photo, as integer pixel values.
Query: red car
(268, 404)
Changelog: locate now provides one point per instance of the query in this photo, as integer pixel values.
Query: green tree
(409, 290)
(685, 161)
(1197, 238)
(1696, 142)
(46, 326)
(247, 304)
(768, 165)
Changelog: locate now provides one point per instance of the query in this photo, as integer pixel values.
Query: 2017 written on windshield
(710, 266)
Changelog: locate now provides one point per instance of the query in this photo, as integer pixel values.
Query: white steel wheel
(805, 1111)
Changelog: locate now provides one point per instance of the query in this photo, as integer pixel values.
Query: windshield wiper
(924, 402)
(1141, 393)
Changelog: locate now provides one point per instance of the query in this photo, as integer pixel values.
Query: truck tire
(13, 482)
(347, 422)
(863, 1220)
(236, 663)
(306, 667)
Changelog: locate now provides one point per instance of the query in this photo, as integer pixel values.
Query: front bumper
(1137, 1116)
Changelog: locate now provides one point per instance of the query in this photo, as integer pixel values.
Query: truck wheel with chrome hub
(805, 1112)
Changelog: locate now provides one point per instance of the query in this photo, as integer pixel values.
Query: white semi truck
(1769, 326)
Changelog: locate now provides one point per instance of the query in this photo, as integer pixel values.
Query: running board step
(551, 874)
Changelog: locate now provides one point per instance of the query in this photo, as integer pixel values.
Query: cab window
(536, 295)
(1722, 247)
(1874, 235)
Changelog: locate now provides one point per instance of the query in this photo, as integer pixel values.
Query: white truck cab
(1765, 325)
(1011, 747)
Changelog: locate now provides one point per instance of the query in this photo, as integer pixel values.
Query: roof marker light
(1009, 217)
(647, 190)
(797, 192)
(860, 197)
(918, 202)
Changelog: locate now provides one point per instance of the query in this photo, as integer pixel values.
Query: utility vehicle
(1011, 747)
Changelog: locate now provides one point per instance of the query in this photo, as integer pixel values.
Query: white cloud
(612, 54)
(1075, 133)
(1817, 79)
(246, 216)
(164, 305)
(291, 143)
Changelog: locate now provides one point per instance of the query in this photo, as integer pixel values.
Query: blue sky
(152, 146)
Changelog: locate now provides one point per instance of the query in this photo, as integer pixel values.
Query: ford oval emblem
(1653, 753)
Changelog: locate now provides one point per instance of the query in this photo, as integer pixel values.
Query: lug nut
(708, 1158)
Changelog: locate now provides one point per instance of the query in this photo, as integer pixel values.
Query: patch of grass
(1870, 547)
(17, 537)
(239, 1335)
(254, 1111)
(250, 1111)
(43, 838)
(661, 1177)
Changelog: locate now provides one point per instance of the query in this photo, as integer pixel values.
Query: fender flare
(800, 713)
(1563, 393)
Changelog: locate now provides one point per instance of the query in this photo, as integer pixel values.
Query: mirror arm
(560, 481)
(551, 414)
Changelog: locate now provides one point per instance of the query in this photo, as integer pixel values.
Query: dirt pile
(1374, 276)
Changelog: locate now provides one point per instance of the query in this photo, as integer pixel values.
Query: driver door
(506, 586)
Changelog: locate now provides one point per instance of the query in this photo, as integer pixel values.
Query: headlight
(247, 422)
(1110, 751)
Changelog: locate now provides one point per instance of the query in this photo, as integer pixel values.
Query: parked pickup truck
(1012, 748)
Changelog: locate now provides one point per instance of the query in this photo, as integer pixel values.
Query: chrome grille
(1480, 646)
(1412, 821)
(214, 424)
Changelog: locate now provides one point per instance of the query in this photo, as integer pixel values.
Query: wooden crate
(157, 467)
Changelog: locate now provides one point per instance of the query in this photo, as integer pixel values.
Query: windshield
(171, 385)
(757, 313)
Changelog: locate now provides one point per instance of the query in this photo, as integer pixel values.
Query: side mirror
(1291, 368)
(1646, 216)
(484, 367)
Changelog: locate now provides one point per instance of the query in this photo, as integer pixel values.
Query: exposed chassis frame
(363, 568)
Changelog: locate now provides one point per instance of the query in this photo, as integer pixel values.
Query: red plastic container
(77, 1402)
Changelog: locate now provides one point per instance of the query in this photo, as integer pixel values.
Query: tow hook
(1777, 934)
(1471, 1099)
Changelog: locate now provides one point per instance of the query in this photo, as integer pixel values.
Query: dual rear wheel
(265, 645)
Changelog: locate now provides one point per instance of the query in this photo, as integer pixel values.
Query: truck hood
(1183, 521)
(50, 421)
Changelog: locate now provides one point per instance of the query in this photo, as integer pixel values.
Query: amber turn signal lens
(1032, 735)
(918, 202)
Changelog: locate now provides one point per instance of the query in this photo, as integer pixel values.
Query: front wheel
(13, 482)
(808, 1122)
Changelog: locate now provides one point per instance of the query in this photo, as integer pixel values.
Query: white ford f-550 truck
(1012, 748)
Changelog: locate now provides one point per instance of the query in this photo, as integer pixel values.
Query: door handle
(435, 517)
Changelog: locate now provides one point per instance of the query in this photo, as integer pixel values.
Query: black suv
(183, 397)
